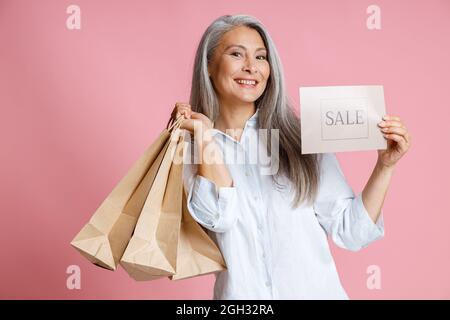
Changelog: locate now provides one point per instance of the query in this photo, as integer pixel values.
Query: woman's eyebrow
(243, 47)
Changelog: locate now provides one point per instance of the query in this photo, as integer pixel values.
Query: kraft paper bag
(341, 118)
(104, 238)
(152, 250)
(167, 241)
(197, 252)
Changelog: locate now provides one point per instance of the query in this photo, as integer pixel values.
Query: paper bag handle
(174, 124)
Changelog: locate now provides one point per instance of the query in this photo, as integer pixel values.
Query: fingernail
(385, 117)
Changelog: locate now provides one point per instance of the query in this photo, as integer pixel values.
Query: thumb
(196, 115)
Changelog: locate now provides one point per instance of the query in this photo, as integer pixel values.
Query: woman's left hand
(398, 140)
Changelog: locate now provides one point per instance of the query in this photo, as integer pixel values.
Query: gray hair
(275, 111)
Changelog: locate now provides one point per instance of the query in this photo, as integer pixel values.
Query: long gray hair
(275, 111)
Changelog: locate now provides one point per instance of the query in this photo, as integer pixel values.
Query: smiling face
(240, 55)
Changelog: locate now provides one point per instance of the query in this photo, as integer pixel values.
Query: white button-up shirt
(271, 250)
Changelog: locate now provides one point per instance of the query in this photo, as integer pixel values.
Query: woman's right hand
(211, 165)
(191, 118)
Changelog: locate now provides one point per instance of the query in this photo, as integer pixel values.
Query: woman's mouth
(246, 83)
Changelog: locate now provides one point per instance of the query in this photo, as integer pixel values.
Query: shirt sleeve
(212, 207)
(342, 214)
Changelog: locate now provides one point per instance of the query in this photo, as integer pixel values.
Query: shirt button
(268, 283)
(247, 173)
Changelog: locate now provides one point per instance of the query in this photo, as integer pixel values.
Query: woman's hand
(398, 140)
(191, 118)
(212, 165)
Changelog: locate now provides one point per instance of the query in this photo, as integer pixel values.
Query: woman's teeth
(248, 82)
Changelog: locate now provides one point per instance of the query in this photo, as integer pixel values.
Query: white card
(341, 118)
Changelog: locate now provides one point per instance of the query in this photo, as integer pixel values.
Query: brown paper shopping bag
(197, 253)
(104, 238)
(152, 250)
(167, 241)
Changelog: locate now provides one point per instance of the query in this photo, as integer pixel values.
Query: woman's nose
(250, 65)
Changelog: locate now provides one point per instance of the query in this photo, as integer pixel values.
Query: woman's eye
(258, 57)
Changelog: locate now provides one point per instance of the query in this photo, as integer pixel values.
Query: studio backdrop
(87, 85)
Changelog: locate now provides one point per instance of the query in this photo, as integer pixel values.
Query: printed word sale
(347, 117)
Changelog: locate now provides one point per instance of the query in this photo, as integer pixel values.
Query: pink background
(79, 106)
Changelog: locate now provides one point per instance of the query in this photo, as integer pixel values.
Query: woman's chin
(242, 99)
(247, 99)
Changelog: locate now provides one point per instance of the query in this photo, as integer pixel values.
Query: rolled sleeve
(369, 231)
(341, 213)
(212, 207)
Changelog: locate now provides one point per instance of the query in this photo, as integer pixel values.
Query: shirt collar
(253, 120)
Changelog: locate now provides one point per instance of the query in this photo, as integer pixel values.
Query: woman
(271, 228)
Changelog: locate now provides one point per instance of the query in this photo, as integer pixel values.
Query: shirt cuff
(369, 231)
(212, 207)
